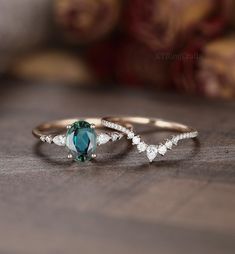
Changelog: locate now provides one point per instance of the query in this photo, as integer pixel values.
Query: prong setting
(70, 156)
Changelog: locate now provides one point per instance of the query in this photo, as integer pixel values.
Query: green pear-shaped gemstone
(81, 141)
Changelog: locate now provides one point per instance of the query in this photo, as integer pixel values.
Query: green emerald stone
(81, 141)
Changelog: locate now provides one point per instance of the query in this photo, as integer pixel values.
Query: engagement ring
(78, 136)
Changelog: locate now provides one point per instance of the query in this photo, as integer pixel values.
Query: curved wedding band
(78, 136)
(117, 123)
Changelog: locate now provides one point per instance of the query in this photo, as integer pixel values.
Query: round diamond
(81, 141)
(136, 140)
(130, 135)
(141, 147)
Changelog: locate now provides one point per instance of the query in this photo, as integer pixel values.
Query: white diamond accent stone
(124, 130)
(162, 149)
(48, 139)
(141, 147)
(151, 152)
(136, 140)
(168, 144)
(130, 135)
(119, 128)
(175, 140)
(115, 136)
(103, 138)
(43, 138)
(59, 140)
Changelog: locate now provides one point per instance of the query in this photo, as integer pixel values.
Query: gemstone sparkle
(81, 141)
(151, 152)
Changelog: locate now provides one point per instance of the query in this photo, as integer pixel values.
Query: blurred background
(186, 46)
(153, 58)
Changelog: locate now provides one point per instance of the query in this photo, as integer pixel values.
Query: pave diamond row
(102, 138)
(151, 150)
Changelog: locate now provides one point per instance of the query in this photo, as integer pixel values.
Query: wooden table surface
(183, 203)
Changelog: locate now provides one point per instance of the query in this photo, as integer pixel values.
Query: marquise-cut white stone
(59, 140)
(151, 152)
(162, 149)
(141, 147)
(103, 138)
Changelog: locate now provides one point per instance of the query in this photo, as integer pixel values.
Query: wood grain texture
(183, 203)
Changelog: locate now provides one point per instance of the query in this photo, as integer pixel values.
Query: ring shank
(59, 126)
(159, 123)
